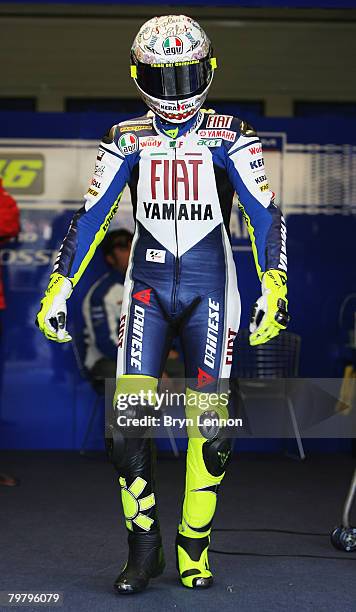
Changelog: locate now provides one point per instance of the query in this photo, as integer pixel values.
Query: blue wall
(45, 404)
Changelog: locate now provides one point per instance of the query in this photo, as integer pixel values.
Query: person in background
(102, 307)
(9, 228)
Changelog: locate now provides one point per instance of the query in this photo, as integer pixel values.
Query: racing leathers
(181, 280)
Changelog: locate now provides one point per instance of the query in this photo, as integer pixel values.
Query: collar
(174, 131)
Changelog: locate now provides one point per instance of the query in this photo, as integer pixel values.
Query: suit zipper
(176, 267)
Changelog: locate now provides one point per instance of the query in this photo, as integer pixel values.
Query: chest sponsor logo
(219, 121)
(175, 144)
(212, 334)
(95, 183)
(264, 187)
(128, 143)
(92, 192)
(156, 255)
(261, 179)
(23, 173)
(149, 141)
(209, 142)
(173, 45)
(175, 179)
(224, 134)
(257, 164)
(255, 150)
(170, 211)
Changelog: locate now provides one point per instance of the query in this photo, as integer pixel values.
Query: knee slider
(217, 455)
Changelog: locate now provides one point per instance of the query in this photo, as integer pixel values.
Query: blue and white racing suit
(181, 279)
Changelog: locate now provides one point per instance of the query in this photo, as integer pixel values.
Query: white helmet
(172, 65)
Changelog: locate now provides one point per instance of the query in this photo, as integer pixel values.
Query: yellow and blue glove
(52, 317)
(269, 314)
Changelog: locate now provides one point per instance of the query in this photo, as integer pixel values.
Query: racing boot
(192, 561)
(145, 561)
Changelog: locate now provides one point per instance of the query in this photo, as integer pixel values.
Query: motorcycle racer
(183, 165)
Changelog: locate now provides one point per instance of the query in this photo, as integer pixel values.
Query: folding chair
(259, 368)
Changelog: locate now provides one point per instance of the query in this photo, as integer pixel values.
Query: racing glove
(52, 317)
(269, 313)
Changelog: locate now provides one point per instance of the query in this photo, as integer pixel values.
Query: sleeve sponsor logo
(256, 150)
(219, 121)
(100, 154)
(261, 179)
(95, 183)
(23, 173)
(92, 192)
(128, 143)
(99, 170)
(224, 134)
(257, 164)
(156, 255)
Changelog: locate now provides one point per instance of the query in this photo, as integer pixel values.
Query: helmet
(172, 66)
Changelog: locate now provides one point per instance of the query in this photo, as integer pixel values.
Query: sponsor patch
(224, 134)
(99, 170)
(156, 255)
(261, 179)
(230, 346)
(128, 143)
(219, 121)
(257, 164)
(133, 128)
(255, 150)
(100, 154)
(95, 183)
(149, 141)
(210, 142)
(264, 187)
(92, 192)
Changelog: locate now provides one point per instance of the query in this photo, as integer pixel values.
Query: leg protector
(207, 456)
(132, 454)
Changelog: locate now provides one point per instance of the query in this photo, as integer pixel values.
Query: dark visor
(173, 81)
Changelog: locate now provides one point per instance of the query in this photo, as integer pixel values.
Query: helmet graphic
(172, 66)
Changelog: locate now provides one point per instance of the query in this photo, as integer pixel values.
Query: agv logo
(172, 45)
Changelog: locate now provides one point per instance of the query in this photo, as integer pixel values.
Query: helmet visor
(174, 81)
